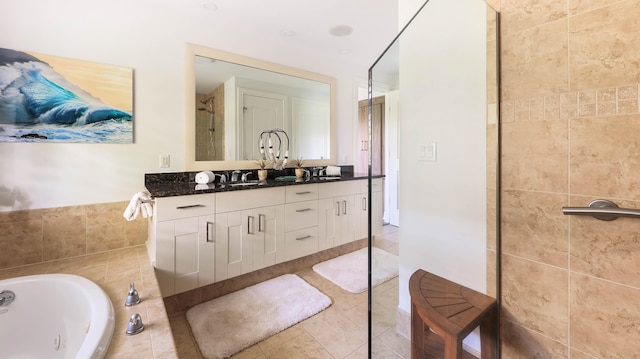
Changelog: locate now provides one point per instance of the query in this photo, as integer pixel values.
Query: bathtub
(55, 316)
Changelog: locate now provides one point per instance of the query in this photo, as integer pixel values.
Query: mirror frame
(190, 112)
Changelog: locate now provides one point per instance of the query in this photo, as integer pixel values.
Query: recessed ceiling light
(341, 30)
(209, 5)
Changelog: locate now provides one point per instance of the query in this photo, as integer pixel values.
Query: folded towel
(139, 204)
(205, 177)
(332, 171)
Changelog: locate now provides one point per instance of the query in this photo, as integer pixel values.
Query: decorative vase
(262, 175)
(299, 172)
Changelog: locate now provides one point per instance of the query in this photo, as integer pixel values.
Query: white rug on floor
(225, 326)
(349, 271)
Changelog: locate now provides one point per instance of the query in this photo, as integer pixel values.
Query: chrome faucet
(234, 175)
(223, 178)
(244, 176)
(318, 171)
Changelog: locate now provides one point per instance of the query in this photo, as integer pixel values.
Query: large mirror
(232, 99)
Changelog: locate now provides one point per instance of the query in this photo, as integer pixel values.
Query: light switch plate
(165, 161)
(427, 152)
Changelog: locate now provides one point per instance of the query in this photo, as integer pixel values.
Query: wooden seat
(443, 313)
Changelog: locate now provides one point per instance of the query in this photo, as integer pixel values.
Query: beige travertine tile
(606, 250)
(534, 227)
(21, 216)
(396, 342)
(605, 157)
(105, 230)
(534, 156)
(628, 92)
(507, 111)
(587, 103)
(492, 221)
(536, 109)
(185, 343)
(534, 62)
(568, 105)
(302, 346)
(64, 237)
(136, 232)
(21, 243)
(627, 107)
(520, 343)
(535, 296)
(580, 6)
(522, 110)
(492, 288)
(335, 332)
(517, 15)
(552, 107)
(279, 339)
(575, 354)
(604, 317)
(605, 46)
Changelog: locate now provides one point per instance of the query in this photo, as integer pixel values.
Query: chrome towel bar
(603, 210)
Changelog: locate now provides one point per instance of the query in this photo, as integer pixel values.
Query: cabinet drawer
(376, 185)
(249, 198)
(301, 243)
(301, 215)
(337, 189)
(299, 193)
(167, 208)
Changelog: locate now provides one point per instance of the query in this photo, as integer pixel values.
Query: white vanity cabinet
(249, 231)
(184, 249)
(339, 218)
(301, 225)
(376, 207)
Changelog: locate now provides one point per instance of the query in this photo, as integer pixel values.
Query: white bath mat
(349, 271)
(225, 326)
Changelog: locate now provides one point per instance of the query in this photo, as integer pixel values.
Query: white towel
(332, 171)
(205, 177)
(139, 204)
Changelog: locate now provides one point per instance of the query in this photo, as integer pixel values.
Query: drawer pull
(190, 206)
(261, 219)
(303, 210)
(338, 208)
(305, 237)
(250, 225)
(364, 203)
(345, 207)
(304, 192)
(210, 224)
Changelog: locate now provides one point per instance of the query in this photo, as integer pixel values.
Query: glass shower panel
(440, 82)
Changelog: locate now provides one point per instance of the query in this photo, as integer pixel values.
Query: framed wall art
(46, 98)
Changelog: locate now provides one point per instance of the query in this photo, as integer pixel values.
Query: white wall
(442, 100)
(150, 37)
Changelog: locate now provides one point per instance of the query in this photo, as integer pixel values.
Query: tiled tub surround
(113, 271)
(570, 124)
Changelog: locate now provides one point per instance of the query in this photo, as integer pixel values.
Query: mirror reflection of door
(377, 126)
(260, 112)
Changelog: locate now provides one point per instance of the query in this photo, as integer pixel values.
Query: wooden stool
(451, 311)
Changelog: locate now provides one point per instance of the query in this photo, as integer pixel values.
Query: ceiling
(302, 28)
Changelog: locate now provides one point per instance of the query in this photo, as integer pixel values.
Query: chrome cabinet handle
(190, 206)
(364, 203)
(344, 211)
(210, 224)
(261, 219)
(305, 237)
(303, 210)
(338, 208)
(250, 220)
(304, 192)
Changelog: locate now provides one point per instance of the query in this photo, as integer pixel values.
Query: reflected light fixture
(341, 30)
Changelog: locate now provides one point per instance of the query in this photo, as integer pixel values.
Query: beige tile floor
(337, 332)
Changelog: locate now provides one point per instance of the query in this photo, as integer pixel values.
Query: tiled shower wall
(570, 134)
(43, 235)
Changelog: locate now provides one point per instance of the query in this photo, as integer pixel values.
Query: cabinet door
(233, 250)
(185, 254)
(328, 223)
(266, 235)
(339, 221)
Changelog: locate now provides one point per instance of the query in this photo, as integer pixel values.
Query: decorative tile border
(611, 101)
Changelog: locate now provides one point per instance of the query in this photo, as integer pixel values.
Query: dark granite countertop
(183, 183)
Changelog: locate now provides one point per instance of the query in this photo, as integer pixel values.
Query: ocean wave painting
(51, 99)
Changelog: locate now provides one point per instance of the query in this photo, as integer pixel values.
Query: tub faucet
(6, 297)
(135, 325)
(234, 175)
(318, 171)
(132, 298)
